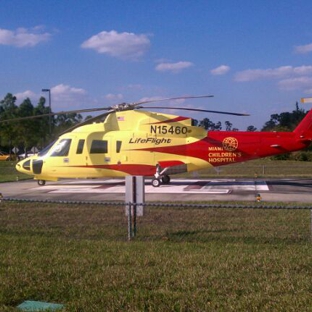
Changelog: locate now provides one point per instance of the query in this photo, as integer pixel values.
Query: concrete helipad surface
(279, 190)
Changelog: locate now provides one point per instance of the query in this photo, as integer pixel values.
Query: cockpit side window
(61, 148)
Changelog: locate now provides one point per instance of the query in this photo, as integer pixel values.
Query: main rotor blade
(58, 113)
(86, 122)
(197, 110)
(173, 99)
(117, 107)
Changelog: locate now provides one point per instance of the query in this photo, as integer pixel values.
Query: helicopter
(128, 140)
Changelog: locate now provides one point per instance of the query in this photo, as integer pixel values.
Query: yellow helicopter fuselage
(128, 142)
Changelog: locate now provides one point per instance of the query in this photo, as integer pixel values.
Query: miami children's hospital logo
(230, 144)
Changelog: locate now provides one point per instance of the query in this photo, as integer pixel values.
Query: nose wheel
(41, 182)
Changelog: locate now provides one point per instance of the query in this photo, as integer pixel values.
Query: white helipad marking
(237, 185)
(220, 186)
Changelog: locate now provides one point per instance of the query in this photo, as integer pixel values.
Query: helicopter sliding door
(100, 154)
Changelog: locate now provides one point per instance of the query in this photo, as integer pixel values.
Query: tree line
(39, 132)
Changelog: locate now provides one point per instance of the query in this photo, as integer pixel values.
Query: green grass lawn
(181, 260)
(8, 173)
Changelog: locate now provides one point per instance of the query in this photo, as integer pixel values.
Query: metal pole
(50, 131)
(134, 207)
(50, 110)
(129, 222)
(311, 225)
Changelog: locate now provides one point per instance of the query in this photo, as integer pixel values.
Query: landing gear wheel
(41, 182)
(165, 179)
(155, 182)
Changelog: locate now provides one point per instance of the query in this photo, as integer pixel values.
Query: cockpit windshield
(46, 149)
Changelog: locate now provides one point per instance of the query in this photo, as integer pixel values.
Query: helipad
(287, 190)
(220, 186)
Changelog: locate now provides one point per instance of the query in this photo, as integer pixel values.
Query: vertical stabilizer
(304, 129)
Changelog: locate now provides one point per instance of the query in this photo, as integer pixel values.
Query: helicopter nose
(31, 166)
(24, 166)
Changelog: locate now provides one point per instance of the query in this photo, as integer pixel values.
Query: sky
(254, 56)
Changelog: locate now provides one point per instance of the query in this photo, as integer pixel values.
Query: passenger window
(61, 148)
(98, 147)
(80, 146)
(118, 146)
